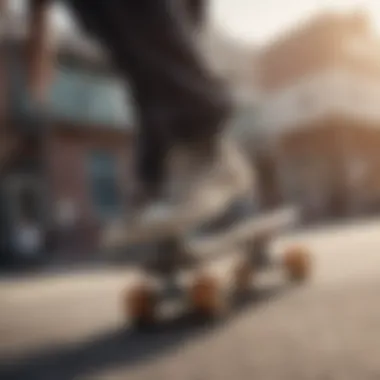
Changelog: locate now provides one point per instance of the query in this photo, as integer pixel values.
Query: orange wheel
(205, 296)
(297, 263)
(140, 304)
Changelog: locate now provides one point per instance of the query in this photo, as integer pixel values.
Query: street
(69, 326)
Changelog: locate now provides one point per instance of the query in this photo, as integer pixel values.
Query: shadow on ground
(122, 347)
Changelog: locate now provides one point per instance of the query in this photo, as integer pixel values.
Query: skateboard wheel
(206, 297)
(243, 276)
(297, 263)
(140, 304)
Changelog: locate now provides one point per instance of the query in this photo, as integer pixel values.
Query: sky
(258, 21)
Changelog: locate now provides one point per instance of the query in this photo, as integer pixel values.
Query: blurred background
(306, 80)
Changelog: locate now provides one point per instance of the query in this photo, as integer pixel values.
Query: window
(29, 204)
(107, 101)
(75, 95)
(68, 98)
(105, 192)
(80, 96)
(18, 96)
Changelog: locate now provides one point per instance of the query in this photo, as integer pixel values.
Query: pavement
(69, 326)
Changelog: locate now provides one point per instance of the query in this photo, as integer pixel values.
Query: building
(319, 116)
(64, 161)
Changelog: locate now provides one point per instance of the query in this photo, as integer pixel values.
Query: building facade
(65, 165)
(320, 116)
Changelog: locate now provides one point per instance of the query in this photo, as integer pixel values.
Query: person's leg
(152, 145)
(197, 12)
(178, 99)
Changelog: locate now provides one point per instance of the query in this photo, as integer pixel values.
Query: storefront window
(105, 192)
(75, 96)
(78, 96)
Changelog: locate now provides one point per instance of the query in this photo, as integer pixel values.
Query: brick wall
(362, 148)
(317, 161)
(311, 169)
(68, 175)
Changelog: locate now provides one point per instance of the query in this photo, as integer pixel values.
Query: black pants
(154, 45)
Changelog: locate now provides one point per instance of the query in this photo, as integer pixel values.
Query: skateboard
(207, 271)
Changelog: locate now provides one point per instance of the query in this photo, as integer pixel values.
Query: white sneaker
(196, 193)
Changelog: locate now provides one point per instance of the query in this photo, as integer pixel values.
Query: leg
(162, 54)
(196, 10)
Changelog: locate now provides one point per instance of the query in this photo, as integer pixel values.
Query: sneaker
(195, 194)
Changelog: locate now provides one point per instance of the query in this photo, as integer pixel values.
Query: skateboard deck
(203, 247)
